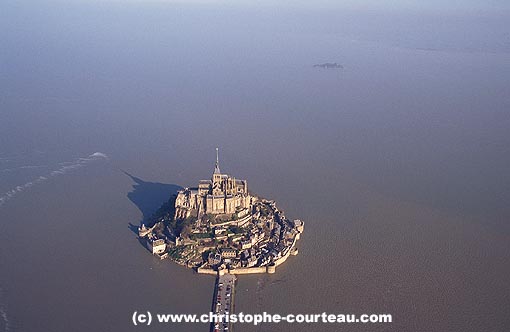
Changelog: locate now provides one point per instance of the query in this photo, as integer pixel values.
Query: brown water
(398, 163)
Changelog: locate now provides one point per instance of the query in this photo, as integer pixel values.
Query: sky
(435, 5)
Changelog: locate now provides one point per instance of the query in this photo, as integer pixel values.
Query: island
(222, 229)
(329, 65)
(219, 227)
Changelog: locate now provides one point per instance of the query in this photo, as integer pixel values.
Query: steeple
(217, 165)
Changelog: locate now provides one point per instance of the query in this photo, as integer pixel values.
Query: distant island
(329, 65)
(219, 227)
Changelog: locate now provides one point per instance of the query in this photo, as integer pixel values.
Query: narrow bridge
(223, 301)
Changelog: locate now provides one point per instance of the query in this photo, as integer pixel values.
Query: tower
(217, 165)
(217, 177)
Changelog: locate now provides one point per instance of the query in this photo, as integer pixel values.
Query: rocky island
(329, 65)
(219, 227)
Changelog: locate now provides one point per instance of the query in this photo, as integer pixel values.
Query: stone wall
(249, 270)
(204, 270)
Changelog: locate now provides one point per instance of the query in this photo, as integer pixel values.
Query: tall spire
(217, 165)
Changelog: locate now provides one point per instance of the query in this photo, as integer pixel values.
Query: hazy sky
(389, 4)
(436, 5)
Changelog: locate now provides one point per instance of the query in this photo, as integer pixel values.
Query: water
(397, 163)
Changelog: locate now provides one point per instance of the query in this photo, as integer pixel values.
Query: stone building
(222, 194)
(228, 253)
(157, 246)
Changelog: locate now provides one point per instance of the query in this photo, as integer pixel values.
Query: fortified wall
(258, 269)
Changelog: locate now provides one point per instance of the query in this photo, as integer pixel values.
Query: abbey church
(222, 194)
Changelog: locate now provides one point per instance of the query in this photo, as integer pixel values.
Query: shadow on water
(149, 197)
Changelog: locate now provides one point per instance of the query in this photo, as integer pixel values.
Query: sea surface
(398, 163)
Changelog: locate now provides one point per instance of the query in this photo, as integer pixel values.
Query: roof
(158, 242)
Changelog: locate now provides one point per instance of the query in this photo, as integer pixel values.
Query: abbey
(222, 194)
